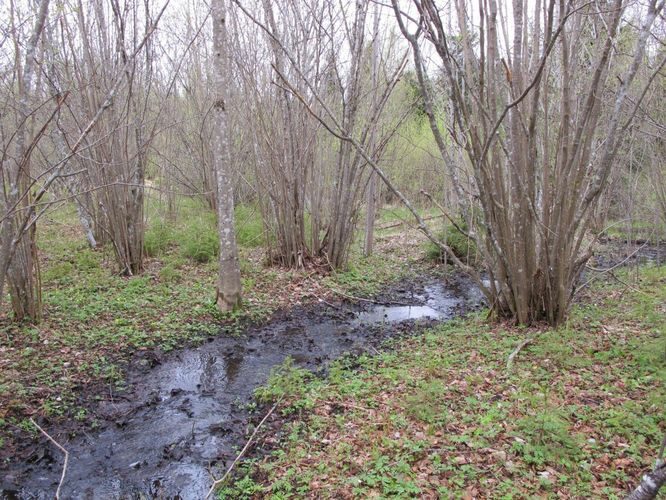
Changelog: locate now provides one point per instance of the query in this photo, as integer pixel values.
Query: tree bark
(18, 251)
(229, 284)
(650, 484)
(372, 183)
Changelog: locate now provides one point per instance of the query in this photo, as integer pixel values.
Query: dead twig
(61, 448)
(391, 225)
(349, 406)
(323, 301)
(217, 482)
(509, 362)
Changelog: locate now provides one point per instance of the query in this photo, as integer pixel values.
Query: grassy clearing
(579, 415)
(94, 319)
(654, 230)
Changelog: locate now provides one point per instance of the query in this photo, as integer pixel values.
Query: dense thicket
(528, 121)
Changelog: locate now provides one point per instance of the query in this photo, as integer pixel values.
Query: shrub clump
(463, 247)
(158, 238)
(200, 241)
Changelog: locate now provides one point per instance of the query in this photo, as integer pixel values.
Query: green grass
(194, 235)
(580, 414)
(636, 229)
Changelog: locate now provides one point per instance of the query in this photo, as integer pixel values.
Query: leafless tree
(18, 252)
(42, 131)
(540, 116)
(229, 284)
(314, 178)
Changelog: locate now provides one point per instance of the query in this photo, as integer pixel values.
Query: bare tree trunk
(371, 201)
(18, 251)
(229, 284)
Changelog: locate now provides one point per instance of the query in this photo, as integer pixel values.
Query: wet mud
(616, 252)
(183, 419)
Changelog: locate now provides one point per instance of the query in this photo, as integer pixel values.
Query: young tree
(315, 177)
(229, 284)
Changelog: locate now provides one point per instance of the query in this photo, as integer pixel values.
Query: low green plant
(158, 238)
(243, 488)
(86, 260)
(424, 403)
(285, 380)
(170, 274)
(60, 272)
(249, 226)
(463, 247)
(200, 241)
(545, 439)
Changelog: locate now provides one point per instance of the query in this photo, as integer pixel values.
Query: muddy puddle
(182, 419)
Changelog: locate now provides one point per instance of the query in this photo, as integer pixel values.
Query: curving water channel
(182, 417)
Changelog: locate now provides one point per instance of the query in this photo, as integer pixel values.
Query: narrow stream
(183, 418)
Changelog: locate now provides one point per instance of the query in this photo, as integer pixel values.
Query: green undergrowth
(579, 415)
(652, 230)
(95, 320)
(398, 254)
(192, 232)
(463, 247)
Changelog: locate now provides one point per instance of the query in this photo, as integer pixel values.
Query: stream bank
(183, 418)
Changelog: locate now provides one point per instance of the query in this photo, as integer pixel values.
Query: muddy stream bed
(182, 416)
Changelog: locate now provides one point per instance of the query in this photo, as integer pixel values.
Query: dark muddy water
(183, 417)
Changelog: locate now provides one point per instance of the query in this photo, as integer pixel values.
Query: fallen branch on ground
(217, 482)
(410, 222)
(509, 362)
(64, 467)
(347, 405)
(652, 482)
(319, 299)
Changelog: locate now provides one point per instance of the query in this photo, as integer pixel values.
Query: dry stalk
(61, 448)
(217, 482)
(509, 362)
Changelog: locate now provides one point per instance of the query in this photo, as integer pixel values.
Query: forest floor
(96, 321)
(579, 414)
(524, 430)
